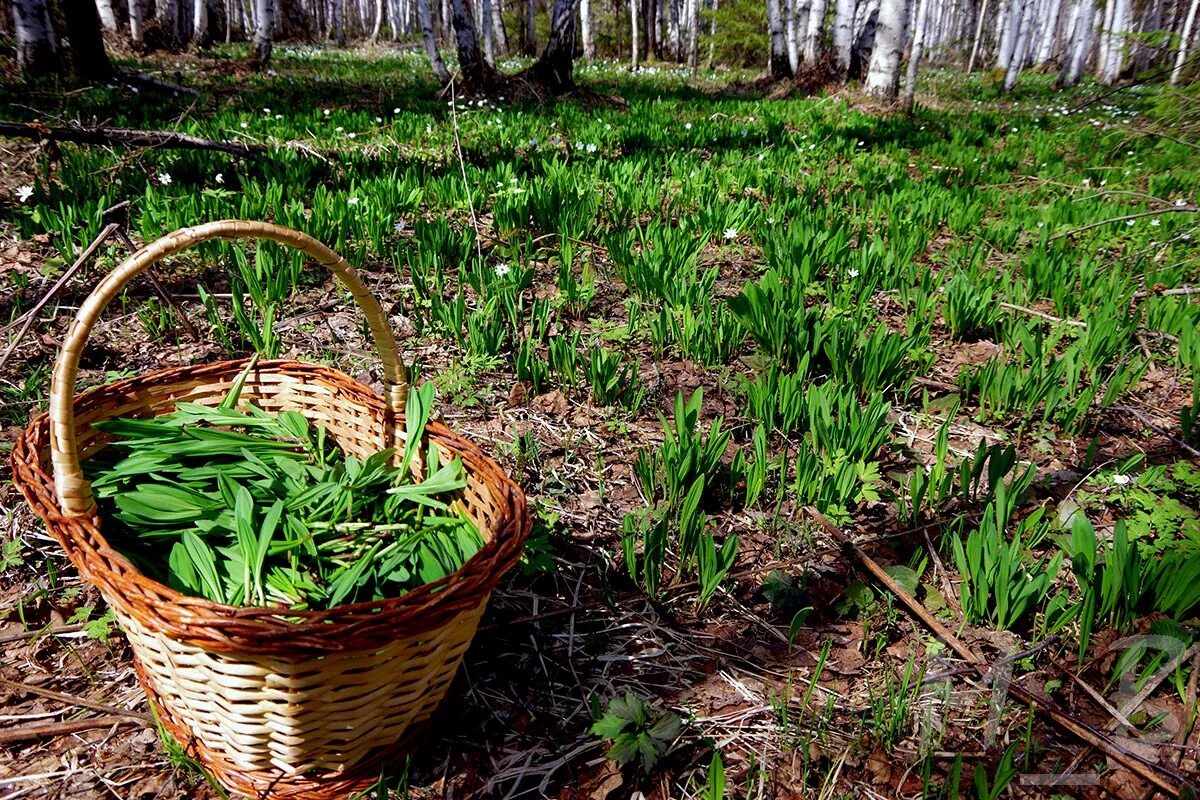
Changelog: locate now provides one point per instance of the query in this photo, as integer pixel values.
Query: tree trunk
(843, 34)
(1080, 43)
(486, 19)
(199, 23)
(649, 26)
(529, 29)
(378, 21)
(1020, 45)
(108, 17)
(555, 70)
(585, 24)
(1114, 60)
(477, 73)
(337, 10)
(137, 23)
(883, 75)
(791, 11)
(816, 25)
(499, 35)
(914, 57)
(633, 35)
(37, 44)
(693, 35)
(425, 19)
(264, 28)
(1185, 37)
(778, 64)
(1007, 23)
(89, 61)
(1046, 46)
(978, 37)
(1104, 40)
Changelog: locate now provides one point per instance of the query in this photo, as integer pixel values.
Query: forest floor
(974, 325)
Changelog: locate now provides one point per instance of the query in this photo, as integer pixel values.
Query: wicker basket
(307, 706)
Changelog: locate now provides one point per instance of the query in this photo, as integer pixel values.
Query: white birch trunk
(812, 37)
(108, 17)
(1189, 25)
(264, 29)
(883, 75)
(1020, 45)
(778, 63)
(712, 36)
(843, 34)
(1114, 58)
(791, 32)
(914, 57)
(585, 23)
(199, 22)
(978, 36)
(1079, 45)
(1046, 45)
(633, 34)
(1007, 22)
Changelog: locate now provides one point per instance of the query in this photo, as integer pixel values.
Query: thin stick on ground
(49, 730)
(71, 699)
(32, 314)
(125, 137)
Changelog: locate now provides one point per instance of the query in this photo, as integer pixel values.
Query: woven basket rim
(263, 629)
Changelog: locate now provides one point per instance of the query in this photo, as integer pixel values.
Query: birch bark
(812, 38)
(778, 63)
(883, 75)
(1185, 37)
(914, 57)
(843, 34)
(264, 27)
(37, 45)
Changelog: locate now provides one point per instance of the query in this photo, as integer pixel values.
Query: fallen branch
(1165, 779)
(71, 699)
(1168, 210)
(125, 137)
(49, 730)
(31, 315)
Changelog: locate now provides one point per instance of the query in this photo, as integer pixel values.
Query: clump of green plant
(667, 472)
(252, 508)
(971, 311)
(637, 731)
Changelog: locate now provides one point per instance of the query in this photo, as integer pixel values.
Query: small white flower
(400, 226)
(770, 220)
(266, 111)
(245, 124)
(761, 156)
(395, 111)
(164, 178)
(1121, 480)
(351, 135)
(219, 178)
(1130, 222)
(502, 270)
(279, 116)
(591, 148)
(24, 193)
(1181, 202)
(352, 201)
(1155, 222)
(326, 112)
(852, 273)
(339, 129)
(379, 119)
(688, 126)
(730, 233)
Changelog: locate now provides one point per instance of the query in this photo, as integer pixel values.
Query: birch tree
(477, 73)
(425, 20)
(843, 34)
(555, 70)
(137, 23)
(633, 35)
(778, 63)
(978, 37)
(693, 35)
(914, 56)
(108, 17)
(199, 22)
(1046, 46)
(1185, 37)
(1021, 39)
(264, 29)
(883, 74)
(1114, 44)
(585, 27)
(1080, 44)
(812, 38)
(791, 27)
(37, 43)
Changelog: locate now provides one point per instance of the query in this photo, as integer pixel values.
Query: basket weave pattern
(277, 703)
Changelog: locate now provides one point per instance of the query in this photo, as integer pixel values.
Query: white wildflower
(352, 201)
(1155, 222)
(1181, 202)
(164, 178)
(400, 226)
(219, 178)
(24, 193)
(1121, 480)
(503, 269)
(852, 273)
(731, 233)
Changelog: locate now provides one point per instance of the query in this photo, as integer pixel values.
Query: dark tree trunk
(528, 31)
(555, 70)
(425, 18)
(37, 43)
(89, 61)
(650, 23)
(476, 72)
(263, 33)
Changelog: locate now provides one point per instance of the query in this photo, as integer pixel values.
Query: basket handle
(73, 490)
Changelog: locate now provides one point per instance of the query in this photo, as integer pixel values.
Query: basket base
(337, 786)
